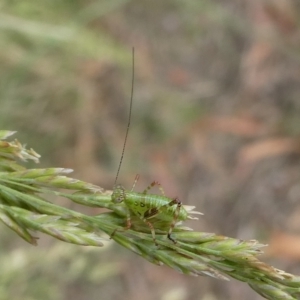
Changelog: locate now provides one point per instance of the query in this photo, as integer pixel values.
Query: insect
(144, 205)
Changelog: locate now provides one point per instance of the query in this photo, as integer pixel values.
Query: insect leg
(137, 176)
(128, 222)
(152, 231)
(178, 204)
(128, 225)
(153, 184)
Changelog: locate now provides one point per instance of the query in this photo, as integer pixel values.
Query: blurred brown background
(216, 119)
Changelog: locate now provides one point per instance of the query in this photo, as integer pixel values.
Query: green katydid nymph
(147, 206)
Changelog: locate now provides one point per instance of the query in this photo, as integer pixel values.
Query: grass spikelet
(24, 209)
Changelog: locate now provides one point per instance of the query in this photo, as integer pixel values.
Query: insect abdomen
(148, 206)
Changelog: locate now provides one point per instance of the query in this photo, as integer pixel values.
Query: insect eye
(120, 199)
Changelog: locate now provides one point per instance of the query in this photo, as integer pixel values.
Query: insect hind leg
(178, 204)
(153, 184)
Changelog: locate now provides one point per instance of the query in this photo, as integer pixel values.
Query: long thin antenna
(129, 117)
